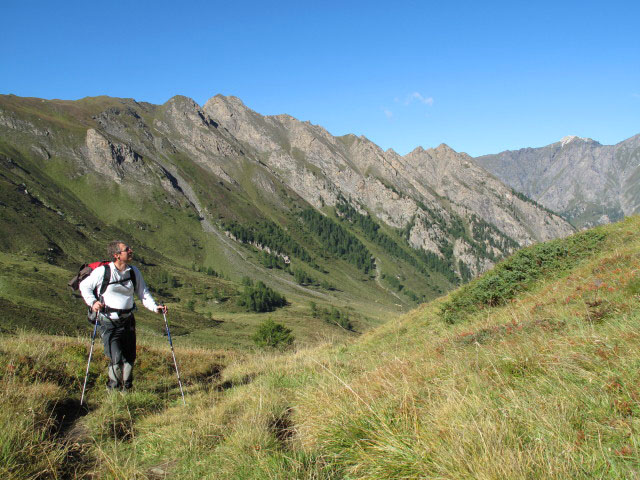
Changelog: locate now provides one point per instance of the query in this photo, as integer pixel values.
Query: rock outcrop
(109, 158)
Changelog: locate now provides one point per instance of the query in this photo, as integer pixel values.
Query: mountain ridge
(585, 181)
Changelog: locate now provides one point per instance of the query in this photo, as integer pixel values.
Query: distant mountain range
(584, 181)
(225, 187)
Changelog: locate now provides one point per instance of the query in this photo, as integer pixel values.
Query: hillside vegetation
(531, 371)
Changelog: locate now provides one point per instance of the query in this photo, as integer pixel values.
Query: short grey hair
(114, 248)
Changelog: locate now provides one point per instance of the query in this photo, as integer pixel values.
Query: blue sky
(480, 76)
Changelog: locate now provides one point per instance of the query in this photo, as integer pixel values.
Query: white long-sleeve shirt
(117, 295)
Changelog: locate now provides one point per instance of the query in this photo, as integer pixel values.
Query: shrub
(519, 272)
(331, 315)
(273, 335)
(272, 261)
(327, 286)
(211, 272)
(303, 278)
(260, 298)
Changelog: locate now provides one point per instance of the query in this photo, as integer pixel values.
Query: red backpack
(87, 268)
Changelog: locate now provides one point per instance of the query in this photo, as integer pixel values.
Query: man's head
(119, 250)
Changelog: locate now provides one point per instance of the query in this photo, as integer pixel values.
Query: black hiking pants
(119, 340)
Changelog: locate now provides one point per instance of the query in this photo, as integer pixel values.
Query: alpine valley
(292, 263)
(216, 196)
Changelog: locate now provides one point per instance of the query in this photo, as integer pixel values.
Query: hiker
(115, 308)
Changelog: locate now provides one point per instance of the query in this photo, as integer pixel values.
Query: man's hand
(97, 306)
(162, 309)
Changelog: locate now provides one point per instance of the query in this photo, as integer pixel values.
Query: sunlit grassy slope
(531, 371)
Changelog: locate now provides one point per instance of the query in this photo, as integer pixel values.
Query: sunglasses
(128, 249)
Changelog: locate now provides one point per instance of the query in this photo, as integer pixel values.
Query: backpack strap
(106, 279)
(134, 280)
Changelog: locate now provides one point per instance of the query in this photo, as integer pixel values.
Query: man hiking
(115, 308)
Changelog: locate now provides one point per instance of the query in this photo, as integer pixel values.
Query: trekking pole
(86, 375)
(166, 324)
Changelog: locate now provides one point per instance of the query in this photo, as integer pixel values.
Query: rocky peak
(443, 148)
(288, 118)
(192, 130)
(574, 138)
(182, 103)
(230, 112)
(180, 108)
(230, 99)
(441, 151)
(632, 142)
(227, 106)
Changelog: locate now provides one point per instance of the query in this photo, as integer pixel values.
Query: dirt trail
(379, 282)
(73, 435)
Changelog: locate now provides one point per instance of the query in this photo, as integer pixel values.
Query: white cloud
(388, 113)
(635, 95)
(417, 97)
